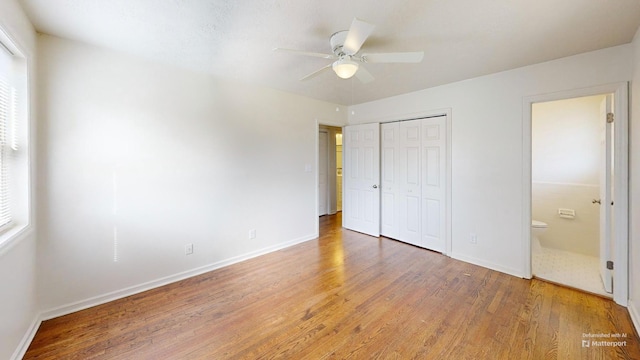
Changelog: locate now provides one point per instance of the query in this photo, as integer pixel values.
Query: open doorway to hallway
(329, 170)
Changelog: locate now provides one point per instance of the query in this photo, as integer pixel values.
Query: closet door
(434, 183)
(361, 176)
(410, 174)
(389, 196)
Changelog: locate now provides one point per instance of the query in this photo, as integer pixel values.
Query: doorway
(570, 138)
(329, 170)
(617, 265)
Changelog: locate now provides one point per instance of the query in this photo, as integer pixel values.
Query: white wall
(565, 141)
(579, 234)
(164, 157)
(634, 196)
(487, 159)
(18, 284)
(18, 304)
(566, 156)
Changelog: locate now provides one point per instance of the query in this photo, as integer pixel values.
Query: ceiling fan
(345, 46)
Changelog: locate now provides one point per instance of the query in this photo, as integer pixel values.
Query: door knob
(594, 201)
(375, 186)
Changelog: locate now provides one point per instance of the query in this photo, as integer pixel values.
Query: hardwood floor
(345, 295)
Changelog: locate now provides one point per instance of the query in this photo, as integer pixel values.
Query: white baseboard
(26, 339)
(118, 294)
(635, 315)
(488, 265)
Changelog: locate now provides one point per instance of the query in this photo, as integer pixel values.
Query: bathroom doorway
(571, 187)
(620, 198)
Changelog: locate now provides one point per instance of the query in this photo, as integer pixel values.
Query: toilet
(537, 228)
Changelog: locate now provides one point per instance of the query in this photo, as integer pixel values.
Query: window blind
(8, 109)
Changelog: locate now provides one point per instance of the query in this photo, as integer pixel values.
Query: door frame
(318, 124)
(327, 205)
(621, 179)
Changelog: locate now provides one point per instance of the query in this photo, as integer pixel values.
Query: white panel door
(389, 209)
(409, 201)
(323, 172)
(606, 198)
(361, 177)
(434, 183)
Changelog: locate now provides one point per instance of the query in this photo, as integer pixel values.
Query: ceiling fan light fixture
(345, 68)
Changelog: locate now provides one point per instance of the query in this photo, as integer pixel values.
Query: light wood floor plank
(344, 295)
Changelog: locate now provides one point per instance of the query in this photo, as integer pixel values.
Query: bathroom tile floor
(568, 268)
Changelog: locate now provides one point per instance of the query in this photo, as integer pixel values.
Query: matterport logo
(604, 340)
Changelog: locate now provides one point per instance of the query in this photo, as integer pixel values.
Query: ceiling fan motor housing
(337, 42)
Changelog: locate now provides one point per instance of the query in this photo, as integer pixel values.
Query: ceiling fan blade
(399, 57)
(364, 75)
(358, 33)
(316, 73)
(306, 53)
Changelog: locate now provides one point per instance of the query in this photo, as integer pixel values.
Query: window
(8, 110)
(14, 163)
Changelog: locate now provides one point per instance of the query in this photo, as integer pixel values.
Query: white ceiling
(234, 39)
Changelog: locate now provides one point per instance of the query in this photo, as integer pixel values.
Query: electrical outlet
(188, 249)
(252, 234)
(473, 238)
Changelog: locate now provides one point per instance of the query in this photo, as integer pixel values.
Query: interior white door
(389, 184)
(323, 172)
(361, 177)
(434, 183)
(410, 194)
(606, 193)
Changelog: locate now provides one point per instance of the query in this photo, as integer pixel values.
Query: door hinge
(610, 265)
(609, 118)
